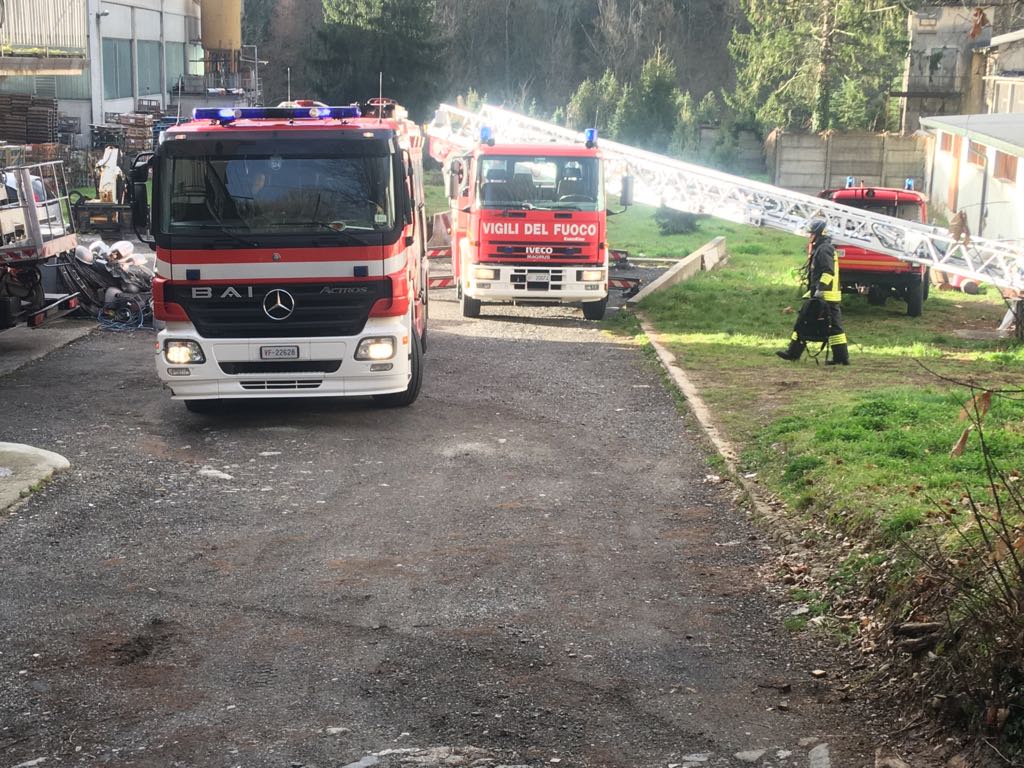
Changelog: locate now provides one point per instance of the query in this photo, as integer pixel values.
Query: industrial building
(135, 51)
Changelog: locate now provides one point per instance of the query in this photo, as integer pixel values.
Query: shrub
(673, 222)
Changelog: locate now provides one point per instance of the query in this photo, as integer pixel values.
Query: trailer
(35, 228)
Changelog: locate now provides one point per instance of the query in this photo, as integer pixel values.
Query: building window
(149, 67)
(117, 68)
(174, 54)
(946, 142)
(1006, 167)
(976, 153)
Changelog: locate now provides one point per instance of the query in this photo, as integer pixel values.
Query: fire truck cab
(529, 225)
(290, 253)
(878, 275)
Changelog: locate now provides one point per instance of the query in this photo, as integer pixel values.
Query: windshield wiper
(323, 225)
(224, 231)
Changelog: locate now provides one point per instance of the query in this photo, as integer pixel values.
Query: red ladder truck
(290, 254)
(529, 222)
(880, 276)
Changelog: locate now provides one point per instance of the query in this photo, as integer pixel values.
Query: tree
(365, 40)
(797, 54)
(594, 103)
(648, 111)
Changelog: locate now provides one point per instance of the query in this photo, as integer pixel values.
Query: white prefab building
(976, 165)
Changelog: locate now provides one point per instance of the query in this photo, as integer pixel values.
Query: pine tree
(365, 40)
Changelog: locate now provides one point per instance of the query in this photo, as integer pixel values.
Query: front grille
(321, 309)
(278, 366)
(511, 251)
(266, 386)
(536, 279)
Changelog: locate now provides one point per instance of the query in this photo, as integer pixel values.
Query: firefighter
(823, 284)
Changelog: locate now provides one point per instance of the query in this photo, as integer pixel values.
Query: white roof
(1004, 131)
(1009, 37)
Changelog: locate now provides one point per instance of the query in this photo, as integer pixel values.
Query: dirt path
(529, 561)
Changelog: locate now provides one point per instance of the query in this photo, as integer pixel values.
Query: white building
(137, 49)
(977, 166)
(1004, 83)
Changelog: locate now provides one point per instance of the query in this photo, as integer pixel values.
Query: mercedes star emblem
(278, 304)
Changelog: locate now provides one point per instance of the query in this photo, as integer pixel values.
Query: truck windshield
(905, 211)
(545, 182)
(270, 194)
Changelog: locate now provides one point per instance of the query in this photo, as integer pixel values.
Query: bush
(673, 222)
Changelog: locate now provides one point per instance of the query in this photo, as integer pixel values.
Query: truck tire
(470, 306)
(594, 310)
(915, 297)
(408, 397)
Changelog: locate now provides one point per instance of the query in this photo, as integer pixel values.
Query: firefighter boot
(793, 351)
(840, 355)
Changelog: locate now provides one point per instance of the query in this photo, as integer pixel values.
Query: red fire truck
(879, 275)
(528, 223)
(289, 253)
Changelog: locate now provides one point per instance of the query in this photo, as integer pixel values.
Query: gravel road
(529, 561)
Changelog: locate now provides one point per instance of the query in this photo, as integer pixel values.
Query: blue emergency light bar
(230, 114)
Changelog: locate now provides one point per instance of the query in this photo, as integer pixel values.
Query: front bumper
(325, 367)
(561, 284)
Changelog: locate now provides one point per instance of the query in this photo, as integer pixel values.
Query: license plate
(532, 277)
(279, 353)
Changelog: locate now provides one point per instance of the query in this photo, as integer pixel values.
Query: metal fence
(43, 27)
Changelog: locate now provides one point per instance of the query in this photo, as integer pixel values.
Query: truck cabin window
(270, 194)
(546, 183)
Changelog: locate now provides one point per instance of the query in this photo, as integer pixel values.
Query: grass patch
(860, 455)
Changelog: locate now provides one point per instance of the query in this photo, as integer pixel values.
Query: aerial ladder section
(661, 180)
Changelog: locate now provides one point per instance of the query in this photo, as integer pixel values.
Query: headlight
(592, 275)
(183, 352)
(376, 348)
(484, 273)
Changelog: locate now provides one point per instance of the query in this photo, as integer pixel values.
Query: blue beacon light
(590, 136)
(487, 135)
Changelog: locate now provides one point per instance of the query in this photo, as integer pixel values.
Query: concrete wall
(999, 218)
(811, 163)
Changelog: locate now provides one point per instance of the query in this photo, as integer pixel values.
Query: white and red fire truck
(289, 253)
(529, 223)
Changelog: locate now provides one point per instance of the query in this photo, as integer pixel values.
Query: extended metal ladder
(661, 180)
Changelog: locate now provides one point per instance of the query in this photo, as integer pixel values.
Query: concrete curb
(22, 467)
(704, 259)
(702, 414)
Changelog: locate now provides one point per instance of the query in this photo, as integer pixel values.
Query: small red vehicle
(880, 276)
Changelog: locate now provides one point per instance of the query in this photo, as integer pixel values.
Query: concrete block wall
(810, 163)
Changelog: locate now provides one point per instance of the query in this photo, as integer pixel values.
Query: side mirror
(140, 204)
(453, 184)
(626, 195)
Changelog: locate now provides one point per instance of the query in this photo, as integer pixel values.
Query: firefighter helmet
(817, 227)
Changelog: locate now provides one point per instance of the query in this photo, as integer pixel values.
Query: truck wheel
(408, 397)
(915, 297)
(877, 295)
(594, 310)
(470, 306)
(201, 406)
